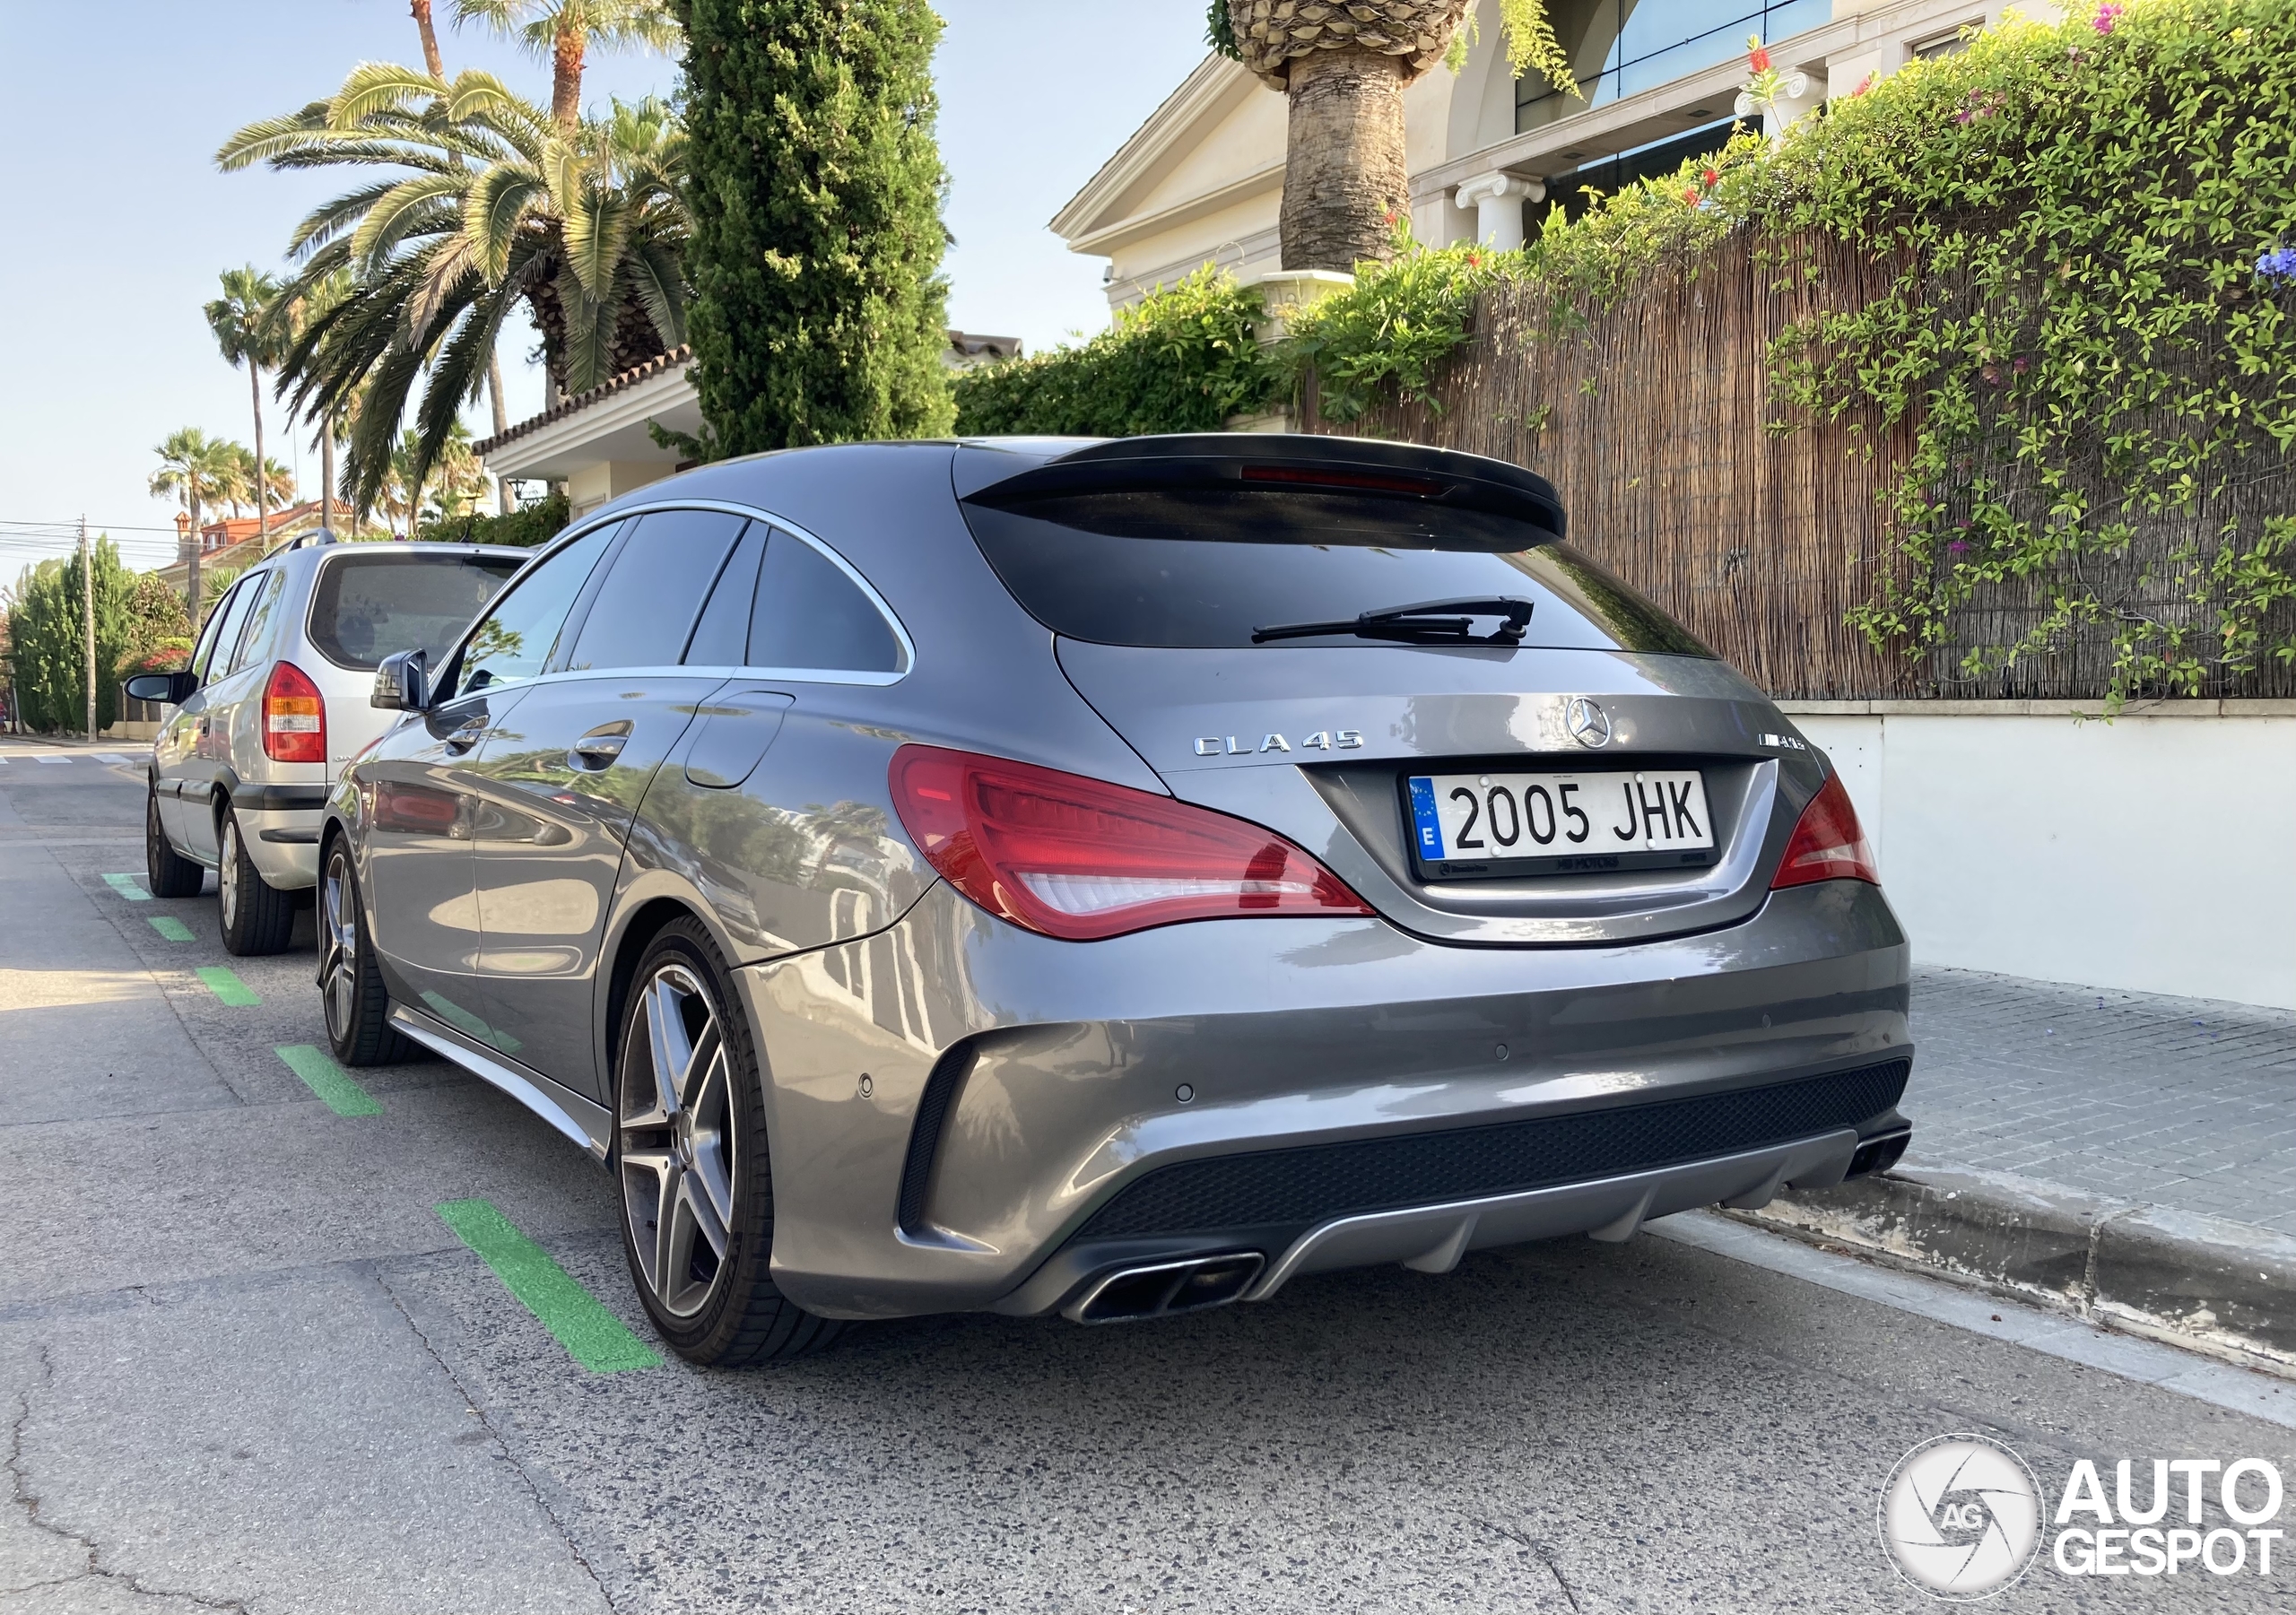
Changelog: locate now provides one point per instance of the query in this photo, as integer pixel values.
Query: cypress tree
(819, 312)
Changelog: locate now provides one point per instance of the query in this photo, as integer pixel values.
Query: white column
(1498, 202)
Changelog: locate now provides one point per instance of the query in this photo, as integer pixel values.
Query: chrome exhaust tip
(1165, 1288)
(1879, 1152)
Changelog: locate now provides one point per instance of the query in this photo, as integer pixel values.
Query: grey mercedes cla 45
(1108, 879)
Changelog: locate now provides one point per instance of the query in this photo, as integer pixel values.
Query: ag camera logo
(1961, 1518)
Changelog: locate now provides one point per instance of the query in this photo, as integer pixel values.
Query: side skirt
(586, 1123)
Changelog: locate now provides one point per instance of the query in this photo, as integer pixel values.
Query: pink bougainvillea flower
(2108, 16)
(1992, 375)
(2020, 366)
(1957, 547)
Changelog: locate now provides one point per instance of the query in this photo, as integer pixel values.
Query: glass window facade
(1622, 48)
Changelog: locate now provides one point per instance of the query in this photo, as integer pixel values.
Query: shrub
(523, 529)
(1184, 359)
(819, 313)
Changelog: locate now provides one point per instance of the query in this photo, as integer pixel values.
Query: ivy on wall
(2091, 330)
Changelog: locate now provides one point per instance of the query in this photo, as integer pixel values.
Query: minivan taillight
(1828, 844)
(1080, 859)
(294, 716)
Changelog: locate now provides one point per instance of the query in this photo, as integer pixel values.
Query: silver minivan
(273, 702)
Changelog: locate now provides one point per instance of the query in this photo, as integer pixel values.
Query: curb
(2228, 1289)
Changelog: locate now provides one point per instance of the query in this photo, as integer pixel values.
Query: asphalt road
(247, 1366)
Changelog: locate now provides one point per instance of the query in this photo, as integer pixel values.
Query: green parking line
(330, 1081)
(593, 1336)
(228, 987)
(128, 887)
(171, 927)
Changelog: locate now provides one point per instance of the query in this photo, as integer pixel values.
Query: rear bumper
(1020, 1091)
(283, 842)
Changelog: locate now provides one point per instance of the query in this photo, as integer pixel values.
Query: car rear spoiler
(1202, 463)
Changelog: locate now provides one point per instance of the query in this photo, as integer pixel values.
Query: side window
(515, 638)
(645, 611)
(263, 620)
(204, 652)
(810, 615)
(724, 630)
(234, 613)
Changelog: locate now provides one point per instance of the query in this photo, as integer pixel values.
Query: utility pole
(88, 619)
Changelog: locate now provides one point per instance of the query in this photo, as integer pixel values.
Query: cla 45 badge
(1322, 740)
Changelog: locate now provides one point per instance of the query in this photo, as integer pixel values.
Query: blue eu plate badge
(1424, 815)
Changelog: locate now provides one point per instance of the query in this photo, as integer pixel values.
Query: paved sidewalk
(2126, 1158)
(2184, 1103)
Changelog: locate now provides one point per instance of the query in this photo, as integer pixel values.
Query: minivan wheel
(351, 985)
(696, 1190)
(257, 917)
(170, 873)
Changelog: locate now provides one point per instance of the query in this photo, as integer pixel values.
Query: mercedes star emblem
(1588, 724)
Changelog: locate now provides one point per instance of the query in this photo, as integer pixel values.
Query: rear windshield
(1202, 573)
(368, 607)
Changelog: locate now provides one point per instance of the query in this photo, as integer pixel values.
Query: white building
(1202, 180)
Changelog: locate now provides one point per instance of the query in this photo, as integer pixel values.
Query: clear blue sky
(120, 222)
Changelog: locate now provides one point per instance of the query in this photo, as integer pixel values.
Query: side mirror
(168, 689)
(403, 682)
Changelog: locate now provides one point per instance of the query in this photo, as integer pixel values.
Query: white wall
(2156, 853)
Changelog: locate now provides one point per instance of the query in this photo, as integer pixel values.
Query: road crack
(1536, 1549)
(501, 1446)
(21, 1493)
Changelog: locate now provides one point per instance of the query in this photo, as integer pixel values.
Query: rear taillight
(1827, 844)
(294, 716)
(1079, 858)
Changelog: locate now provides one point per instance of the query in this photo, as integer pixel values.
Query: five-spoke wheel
(678, 1146)
(689, 1149)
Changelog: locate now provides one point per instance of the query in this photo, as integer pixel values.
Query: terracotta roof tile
(681, 354)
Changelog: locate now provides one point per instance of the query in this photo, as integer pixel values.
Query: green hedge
(523, 529)
(1182, 359)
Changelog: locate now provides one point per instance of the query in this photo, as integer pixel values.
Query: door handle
(597, 750)
(463, 739)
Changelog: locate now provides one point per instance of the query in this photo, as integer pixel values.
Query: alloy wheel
(338, 945)
(227, 884)
(676, 1130)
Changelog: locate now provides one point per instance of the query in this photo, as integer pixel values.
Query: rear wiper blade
(1430, 622)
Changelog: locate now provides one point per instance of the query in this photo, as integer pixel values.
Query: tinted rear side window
(646, 608)
(1203, 572)
(367, 607)
(810, 615)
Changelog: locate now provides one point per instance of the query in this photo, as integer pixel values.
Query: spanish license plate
(1465, 825)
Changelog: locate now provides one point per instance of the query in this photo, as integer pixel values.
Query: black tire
(168, 872)
(358, 1005)
(258, 918)
(719, 1308)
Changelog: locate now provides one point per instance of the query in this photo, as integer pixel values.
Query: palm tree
(1346, 182)
(241, 321)
(276, 487)
(292, 312)
(445, 484)
(482, 206)
(564, 32)
(197, 469)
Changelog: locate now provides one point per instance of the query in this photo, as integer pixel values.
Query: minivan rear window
(1203, 568)
(365, 607)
